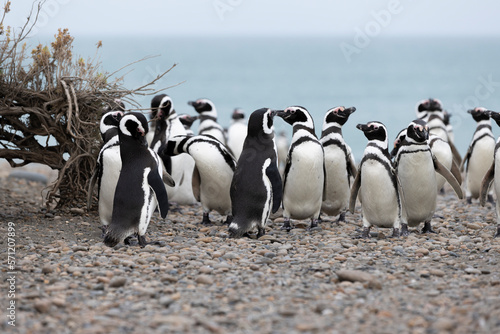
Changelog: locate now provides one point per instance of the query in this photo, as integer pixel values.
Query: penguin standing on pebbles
(339, 163)
(107, 168)
(304, 178)
(237, 132)
(376, 183)
(212, 174)
(415, 167)
(256, 188)
(493, 175)
(140, 187)
(208, 119)
(479, 156)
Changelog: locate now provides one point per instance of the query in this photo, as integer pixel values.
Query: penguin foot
(249, 235)
(129, 241)
(142, 240)
(314, 224)
(395, 233)
(206, 219)
(104, 229)
(341, 218)
(404, 230)
(286, 226)
(490, 199)
(229, 220)
(469, 200)
(365, 234)
(428, 228)
(260, 232)
(498, 233)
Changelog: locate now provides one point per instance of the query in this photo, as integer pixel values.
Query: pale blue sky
(264, 17)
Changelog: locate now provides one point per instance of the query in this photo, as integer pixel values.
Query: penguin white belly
(479, 163)
(438, 131)
(182, 173)
(112, 165)
(419, 192)
(442, 152)
(337, 184)
(380, 202)
(303, 192)
(216, 177)
(236, 135)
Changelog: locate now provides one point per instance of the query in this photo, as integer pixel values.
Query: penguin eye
(292, 111)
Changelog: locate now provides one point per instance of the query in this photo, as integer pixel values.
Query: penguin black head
(134, 125)
(161, 106)
(429, 105)
(110, 120)
(261, 122)
(238, 114)
(204, 107)
(298, 117)
(338, 115)
(495, 116)
(374, 131)
(480, 114)
(398, 141)
(417, 131)
(187, 120)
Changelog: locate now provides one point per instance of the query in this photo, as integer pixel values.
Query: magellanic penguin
(237, 132)
(256, 188)
(213, 171)
(304, 179)
(493, 175)
(339, 163)
(208, 119)
(187, 121)
(479, 156)
(376, 183)
(140, 187)
(431, 111)
(180, 167)
(109, 165)
(415, 168)
(441, 151)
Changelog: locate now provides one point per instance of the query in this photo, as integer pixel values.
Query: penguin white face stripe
(267, 123)
(132, 118)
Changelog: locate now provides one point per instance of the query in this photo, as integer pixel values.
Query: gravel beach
(199, 281)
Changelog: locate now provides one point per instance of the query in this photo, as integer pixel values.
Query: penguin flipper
(354, 191)
(448, 176)
(167, 179)
(196, 182)
(455, 170)
(273, 174)
(156, 183)
(90, 191)
(351, 167)
(454, 151)
(485, 185)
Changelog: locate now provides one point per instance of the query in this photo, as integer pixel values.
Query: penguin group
(241, 173)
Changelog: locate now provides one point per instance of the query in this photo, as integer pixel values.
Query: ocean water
(384, 80)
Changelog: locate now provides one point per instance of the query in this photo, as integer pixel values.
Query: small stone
(354, 276)
(166, 301)
(437, 272)
(204, 279)
(43, 305)
(47, 269)
(444, 324)
(206, 239)
(422, 251)
(474, 226)
(79, 248)
(472, 271)
(206, 270)
(117, 282)
(77, 211)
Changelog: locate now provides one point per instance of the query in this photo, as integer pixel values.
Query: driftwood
(50, 107)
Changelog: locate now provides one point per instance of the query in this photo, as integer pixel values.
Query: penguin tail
(110, 241)
(112, 238)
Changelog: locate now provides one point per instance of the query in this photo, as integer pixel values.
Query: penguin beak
(276, 112)
(191, 103)
(350, 110)
(362, 127)
(394, 151)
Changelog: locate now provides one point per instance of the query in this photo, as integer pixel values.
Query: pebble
(117, 282)
(354, 276)
(204, 279)
(472, 271)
